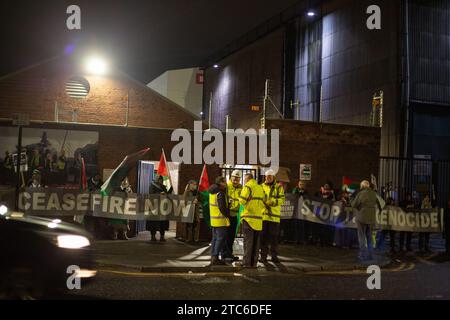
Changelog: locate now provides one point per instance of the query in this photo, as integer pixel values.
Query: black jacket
(222, 199)
(157, 188)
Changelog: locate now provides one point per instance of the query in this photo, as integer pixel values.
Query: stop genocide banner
(334, 213)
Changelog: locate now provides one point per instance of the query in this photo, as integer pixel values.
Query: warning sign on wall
(305, 171)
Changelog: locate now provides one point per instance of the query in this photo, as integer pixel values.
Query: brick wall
(333, 150)
(36, 90)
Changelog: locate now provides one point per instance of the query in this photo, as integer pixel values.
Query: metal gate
(401, 176)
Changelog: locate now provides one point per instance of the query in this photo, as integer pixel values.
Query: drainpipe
(407, 81)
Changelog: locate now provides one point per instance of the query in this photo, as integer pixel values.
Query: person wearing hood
(158, 187)
(220, 220)
(192, 230)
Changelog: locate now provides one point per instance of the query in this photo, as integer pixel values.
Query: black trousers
(447, 230)
(231, 235)
(424, 239)
(160, 226)
(391, 237)
(251, 245)
(407, 235)
(269, 239)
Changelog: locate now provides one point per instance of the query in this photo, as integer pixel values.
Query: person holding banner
(234, 189)
(252, 198)
(302, 228)
(192, 230)
(220, 221)
(406, 205)
(447, 228)
(424, 237)
(273, 199)
(158, 187)
(365, 203)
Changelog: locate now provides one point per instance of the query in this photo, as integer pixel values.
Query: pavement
(175, 256)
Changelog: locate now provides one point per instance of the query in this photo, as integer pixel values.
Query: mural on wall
(55, 153)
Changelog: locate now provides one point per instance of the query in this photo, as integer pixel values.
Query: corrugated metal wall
(340, 63)
(429, 35)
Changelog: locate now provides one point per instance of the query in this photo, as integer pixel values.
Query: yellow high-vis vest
(233, 197)
(274, 195)
(252, 198)
(216, 217)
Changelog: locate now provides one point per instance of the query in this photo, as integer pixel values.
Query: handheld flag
(203, 187)
(114, 181)
(163, 171)
(351, 184)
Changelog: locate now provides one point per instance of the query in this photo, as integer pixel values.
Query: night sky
(142, 37)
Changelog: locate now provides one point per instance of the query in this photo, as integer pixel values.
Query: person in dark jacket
(192, 230)
(406, 205)
(157, 187)
(220, 221)
(303, 229)
(447, 228)
(95, 182)
(366, 203)
(325, 232)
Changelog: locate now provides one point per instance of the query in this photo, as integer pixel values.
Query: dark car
(40, 256)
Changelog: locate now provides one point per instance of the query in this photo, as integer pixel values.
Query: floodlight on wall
(96, 65)
(215, 66)
(311, 13)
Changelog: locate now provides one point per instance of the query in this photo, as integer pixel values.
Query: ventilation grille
(77, 87)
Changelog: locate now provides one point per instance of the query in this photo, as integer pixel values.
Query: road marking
(178, 274)
(402, 267)
(425, 259)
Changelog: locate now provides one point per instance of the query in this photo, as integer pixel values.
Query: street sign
(23, 162)
(305, 171)
(21, 119)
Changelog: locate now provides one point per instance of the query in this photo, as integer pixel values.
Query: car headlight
(72, 241)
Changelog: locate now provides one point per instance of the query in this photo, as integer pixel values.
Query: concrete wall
(333, 151)
(181, 87)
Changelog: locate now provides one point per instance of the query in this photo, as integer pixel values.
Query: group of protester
(259, 218)
(404, 236)
(261, 228)
(42, 161)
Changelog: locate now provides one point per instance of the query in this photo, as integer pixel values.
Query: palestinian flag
(352, 185)
(163, 171)
(203, 187)
(241, 208)
(115, 180)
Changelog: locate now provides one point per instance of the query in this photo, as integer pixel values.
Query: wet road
(410, 278)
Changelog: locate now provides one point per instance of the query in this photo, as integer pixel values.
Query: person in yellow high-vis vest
(234, 189)
(274, 198)
(252, 198)
(219, 213)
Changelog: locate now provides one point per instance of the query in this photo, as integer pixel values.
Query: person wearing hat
(35, 181)
(157, 187)
(220, 221)
(234, 189)
(252, 198)
(191, 231)
(274, 198)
